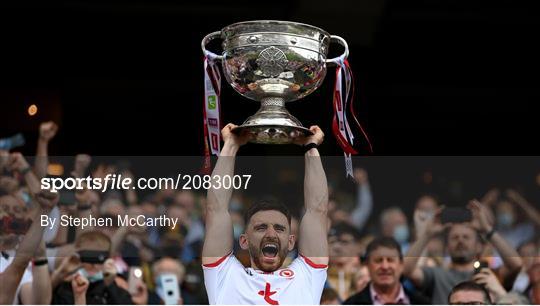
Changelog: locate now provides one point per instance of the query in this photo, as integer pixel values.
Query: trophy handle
(205, 41)
(342, 57)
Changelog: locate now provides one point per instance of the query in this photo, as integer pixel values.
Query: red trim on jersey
(217, 262)
(312, 264)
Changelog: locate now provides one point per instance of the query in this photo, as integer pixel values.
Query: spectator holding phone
(486, 278)
(94, 282)
(464, 245)
(162, 270)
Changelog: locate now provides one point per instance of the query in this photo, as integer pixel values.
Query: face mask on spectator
(96, 277)
(401, 233)
(505, 220)
(26, 198)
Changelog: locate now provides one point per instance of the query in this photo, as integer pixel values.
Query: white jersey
(227, 281)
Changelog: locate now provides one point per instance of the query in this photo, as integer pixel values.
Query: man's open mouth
(270, 250)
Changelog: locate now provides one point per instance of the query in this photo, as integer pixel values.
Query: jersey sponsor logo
(287, 273)
(267, 293)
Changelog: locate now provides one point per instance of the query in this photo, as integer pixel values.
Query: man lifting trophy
(273, 62)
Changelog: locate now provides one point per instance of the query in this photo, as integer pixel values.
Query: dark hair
(431, 195)
(478, 235)
(93, 236)
(344, 228)
(329, 294)
(471, 286)
(266, 204)
(387, 242)
(524, 244)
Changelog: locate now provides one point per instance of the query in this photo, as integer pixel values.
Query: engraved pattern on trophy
(272, 61)
(273, 101)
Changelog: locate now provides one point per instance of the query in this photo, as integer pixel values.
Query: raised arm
(313, 242)
(218, 240)
(508, 254)
(18, 163)
(11, 277)
(39, 291)
(530, 211)
(364, 200)
(426, 227)
(47, 130)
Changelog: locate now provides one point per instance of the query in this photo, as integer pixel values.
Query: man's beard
(255, 252)
(463, 259)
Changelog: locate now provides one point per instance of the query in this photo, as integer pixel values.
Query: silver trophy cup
(274, 62)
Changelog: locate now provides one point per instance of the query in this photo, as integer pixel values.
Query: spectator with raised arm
(464, 244)
(433, 254)
(364, 200)
(13, 268)
(47, 131)
(486, 278)
(94, 280)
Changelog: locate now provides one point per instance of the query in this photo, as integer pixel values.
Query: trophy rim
(223, 30)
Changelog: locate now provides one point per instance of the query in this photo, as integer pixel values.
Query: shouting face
(268, 240)
(14, 213)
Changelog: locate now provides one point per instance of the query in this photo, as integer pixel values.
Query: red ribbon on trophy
(340, 124)
(211, 111)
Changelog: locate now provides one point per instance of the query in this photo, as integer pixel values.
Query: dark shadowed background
(125, 77)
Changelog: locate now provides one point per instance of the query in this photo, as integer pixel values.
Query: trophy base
(273, 134)
(273, 124)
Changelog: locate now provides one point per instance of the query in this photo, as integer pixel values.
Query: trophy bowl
(273, 62)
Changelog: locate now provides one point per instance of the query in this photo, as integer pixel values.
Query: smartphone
(67, 198)
(134, 279)
(170, 289)
(12, 142)
(455, 215)
(479, 265)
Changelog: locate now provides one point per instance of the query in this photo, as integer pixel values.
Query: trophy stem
(272, 101)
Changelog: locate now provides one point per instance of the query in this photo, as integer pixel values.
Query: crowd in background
(374, 258)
